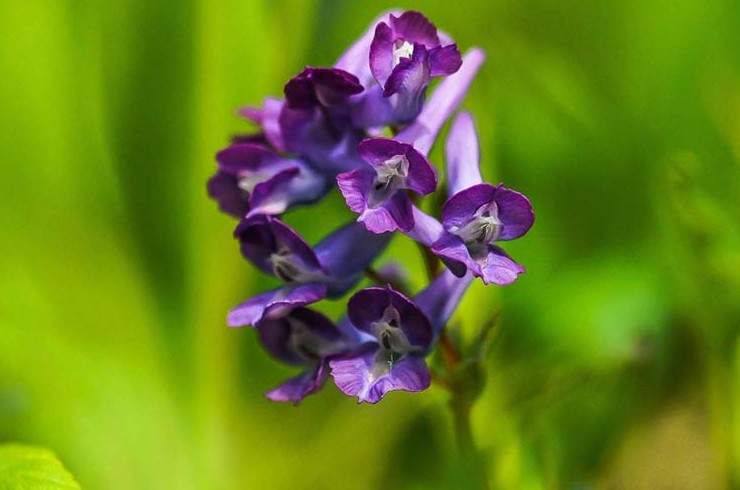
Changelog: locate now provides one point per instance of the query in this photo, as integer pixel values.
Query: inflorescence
(366, 126)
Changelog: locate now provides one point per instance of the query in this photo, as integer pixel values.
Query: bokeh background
(615, 361)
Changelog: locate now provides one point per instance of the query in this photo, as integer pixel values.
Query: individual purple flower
(405, 54)
(478, 215)
(402, 333)
(395, 360)
(377, 192)
(310, 274)
(326, 87)
(251, 178)
(302, 338)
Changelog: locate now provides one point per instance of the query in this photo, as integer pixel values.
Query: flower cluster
(365, 126)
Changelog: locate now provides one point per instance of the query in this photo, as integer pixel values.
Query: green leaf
(30, 468)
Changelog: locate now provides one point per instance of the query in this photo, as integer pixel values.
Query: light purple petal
(273, 304)
(271, 110)
(439, 300)
(443, 102)
(395, 214)
(369, 305)
(444, 61)
(356, 59)
(381, 53)
(514, 211)
(354, 187)
(427, 230)
(463, 155)
(369, 380)
(296, 389)
(498, 268)
(413, 27)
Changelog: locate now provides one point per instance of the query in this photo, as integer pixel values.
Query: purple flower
(405, 54)
(251, 178)
(310, 274)
(327, 87)
(376, 191)
(478, 215)
(402, 333)
(395, 359)
(302, 338)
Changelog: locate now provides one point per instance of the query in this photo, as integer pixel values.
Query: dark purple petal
(325, 86)
(381, 53)
(376, 151)
(453, 252)
(300, 337)
(369, 305)
(354, 186)
(262, 236)
(422, 178)
(395, 214)
(346, 253)
(238, 158)
(413, 27)
(444, 61)
(410, 77)
(369, 379)
(274, 304)
(461, 207)
(499, 268)
(439, 300)
(443, 102)
(463, 155)
(427, 230)
(296, 389)
(224, 189)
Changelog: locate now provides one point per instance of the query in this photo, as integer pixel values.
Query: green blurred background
(616, 361)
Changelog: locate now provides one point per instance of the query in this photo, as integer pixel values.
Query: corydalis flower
(395, 359)
(377, 192)
(309, 274)
(253, 179)
(401, 333)
(326, 87)
(405, 54)
(302, 338)
(478, 215)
